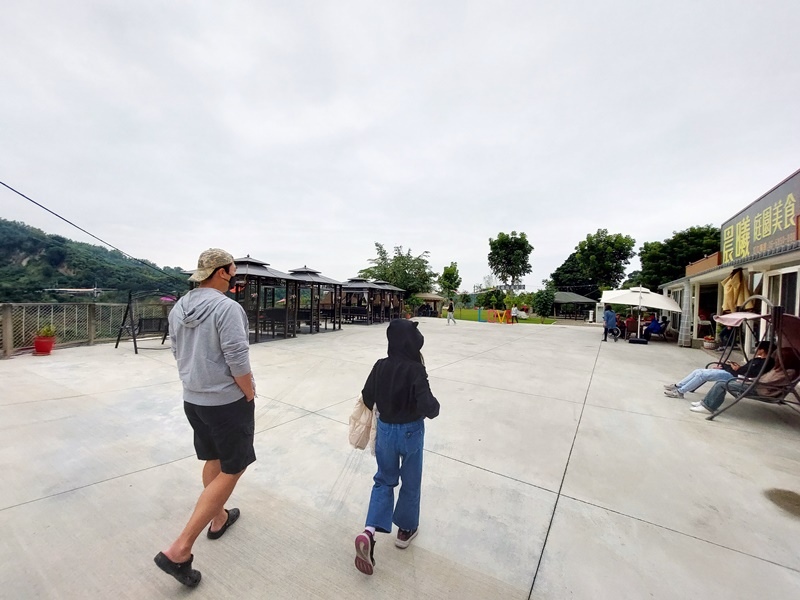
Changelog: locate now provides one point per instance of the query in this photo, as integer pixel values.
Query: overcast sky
(303, 132)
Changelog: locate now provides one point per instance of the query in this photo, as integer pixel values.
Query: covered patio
(431, 306)
(581, 305)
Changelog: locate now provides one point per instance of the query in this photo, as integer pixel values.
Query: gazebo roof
(258, 268)
(312, 276)
(387, 285)
(572, 298)
(359, 283)
(429, 296)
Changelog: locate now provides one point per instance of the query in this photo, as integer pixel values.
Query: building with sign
(762, 241)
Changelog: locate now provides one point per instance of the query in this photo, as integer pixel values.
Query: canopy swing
(783, 330)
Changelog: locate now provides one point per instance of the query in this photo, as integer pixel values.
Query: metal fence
(74, 323)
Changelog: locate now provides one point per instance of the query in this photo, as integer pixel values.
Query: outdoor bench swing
(784, 331)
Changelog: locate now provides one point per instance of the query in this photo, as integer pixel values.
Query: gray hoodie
(210, 341)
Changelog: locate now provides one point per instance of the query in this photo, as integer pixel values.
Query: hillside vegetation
(31, 260)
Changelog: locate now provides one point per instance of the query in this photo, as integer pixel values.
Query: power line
(125, 254)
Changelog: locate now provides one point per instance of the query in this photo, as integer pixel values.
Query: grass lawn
(470, 314)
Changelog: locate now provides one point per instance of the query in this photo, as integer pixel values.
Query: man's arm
(247, 384)
(235, 345)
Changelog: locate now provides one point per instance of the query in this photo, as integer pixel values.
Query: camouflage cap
(209, 260)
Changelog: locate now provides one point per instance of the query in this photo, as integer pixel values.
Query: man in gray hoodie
(210, 340)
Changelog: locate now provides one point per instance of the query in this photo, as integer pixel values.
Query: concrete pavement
(556, 458)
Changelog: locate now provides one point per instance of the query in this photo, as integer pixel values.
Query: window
(783, 290)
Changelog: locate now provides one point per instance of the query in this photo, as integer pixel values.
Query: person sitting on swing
(720, 373)
(770, 385)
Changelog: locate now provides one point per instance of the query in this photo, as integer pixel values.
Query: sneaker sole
(404, 544)
(363, 562)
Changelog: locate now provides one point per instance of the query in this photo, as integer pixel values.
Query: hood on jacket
(405, 340)
(196, 306)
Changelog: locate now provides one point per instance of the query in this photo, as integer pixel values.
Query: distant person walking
(210, 340)
(609, 323)
(398, 387)
(451, 313)
(514, 314)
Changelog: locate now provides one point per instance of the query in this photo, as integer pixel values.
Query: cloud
(302, 133)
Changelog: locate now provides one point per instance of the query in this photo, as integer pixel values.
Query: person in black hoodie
(398, 387)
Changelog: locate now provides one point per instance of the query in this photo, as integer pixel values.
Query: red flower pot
(43, 345)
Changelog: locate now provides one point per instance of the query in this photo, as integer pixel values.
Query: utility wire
(55, 214)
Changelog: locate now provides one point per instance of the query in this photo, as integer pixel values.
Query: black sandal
(183, 572)
(233, 515)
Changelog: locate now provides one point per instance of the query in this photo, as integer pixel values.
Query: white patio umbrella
(640, 296)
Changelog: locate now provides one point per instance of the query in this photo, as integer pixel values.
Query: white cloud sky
(303, 132)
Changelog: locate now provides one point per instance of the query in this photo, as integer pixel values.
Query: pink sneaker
(365, 548)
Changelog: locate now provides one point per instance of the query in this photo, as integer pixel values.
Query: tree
(491, 299)
(449, 280)
(508, 256)
(572, 276)
(465, 299)
(666, 261)
(411, 273)
(605, 256)
(526, 299)
(633, 279)
(544, 299)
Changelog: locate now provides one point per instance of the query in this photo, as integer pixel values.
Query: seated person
(630, 325)
(623, 328)
(653, 327)
(774, 377)
(719, 373)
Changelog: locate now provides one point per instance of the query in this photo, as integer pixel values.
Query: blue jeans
(699, 376)
(398, 450)
(716, 395)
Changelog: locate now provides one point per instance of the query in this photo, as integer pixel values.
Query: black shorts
(224, 433)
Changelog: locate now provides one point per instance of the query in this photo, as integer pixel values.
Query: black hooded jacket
(398, 384)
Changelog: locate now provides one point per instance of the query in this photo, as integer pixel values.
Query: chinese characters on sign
(766, 224)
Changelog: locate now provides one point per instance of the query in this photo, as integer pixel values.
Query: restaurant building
(762, 241)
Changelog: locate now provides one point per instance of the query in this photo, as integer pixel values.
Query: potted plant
(709, 342)
(44, 340)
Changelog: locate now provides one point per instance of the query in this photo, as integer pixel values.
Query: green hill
(31, 261)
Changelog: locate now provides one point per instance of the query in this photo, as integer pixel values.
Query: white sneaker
(698, 403)
(700, 409)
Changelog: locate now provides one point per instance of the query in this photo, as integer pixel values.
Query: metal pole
(8, 330)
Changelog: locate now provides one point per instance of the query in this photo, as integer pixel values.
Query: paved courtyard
(557, 469)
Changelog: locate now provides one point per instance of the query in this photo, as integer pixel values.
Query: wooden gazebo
(268, 296)
(432, 302)
(359, 296)
(390, 303)
(319, 299)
